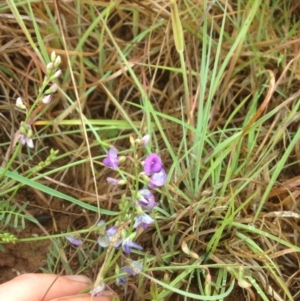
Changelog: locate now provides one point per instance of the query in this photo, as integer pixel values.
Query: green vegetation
(216, 86)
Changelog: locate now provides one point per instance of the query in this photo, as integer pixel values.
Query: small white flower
(53, 87)
(30, 142)
(57, 74)
(20, 104)
(25, 140)
(146, 139)
(46, 99)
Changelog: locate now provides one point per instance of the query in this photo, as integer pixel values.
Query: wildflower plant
(141, 203)
(24, 136)
(136, 210)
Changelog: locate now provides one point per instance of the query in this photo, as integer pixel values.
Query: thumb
(107, 296)
(44, 287)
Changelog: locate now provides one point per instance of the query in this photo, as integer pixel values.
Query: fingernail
(86, 297)
(79, 278)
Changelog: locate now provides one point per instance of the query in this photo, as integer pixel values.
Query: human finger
(37, 287)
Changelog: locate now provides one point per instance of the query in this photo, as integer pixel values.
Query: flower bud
(53, 88)
(23, 128)
(56, 74)
(57, 61)
(53, 56)
(50, 66)
(122, 159)
(132, 141)
(29, 133)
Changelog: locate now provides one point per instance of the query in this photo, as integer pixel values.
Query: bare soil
(28, 257)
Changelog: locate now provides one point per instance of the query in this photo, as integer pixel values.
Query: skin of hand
(33, 287)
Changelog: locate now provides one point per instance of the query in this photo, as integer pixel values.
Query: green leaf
(19, 178)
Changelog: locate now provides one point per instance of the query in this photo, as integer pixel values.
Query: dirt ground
(23, 257)
(28, 257)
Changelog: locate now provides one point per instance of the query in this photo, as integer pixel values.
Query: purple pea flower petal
(146, 199)
(134, 268)
(158, 179)
(112, 159)
(121, 281)
(152, 164)
(128, 244)
(112, 181)
(74, 241)
(143, 220)
(110, 233)
(106, 237)
(97, 290)
(115, 182)
(101, 223)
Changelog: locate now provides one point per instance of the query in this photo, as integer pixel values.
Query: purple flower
(97, 290)
(158, 179)
(143, 220)
(112, 159)
(120, 280)
(115, 182)
(128, 244)
(146, 199)
(111, 233)
(152, 164)
(74, 240)
(106, 237)
(134, 268)
(112, 181)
